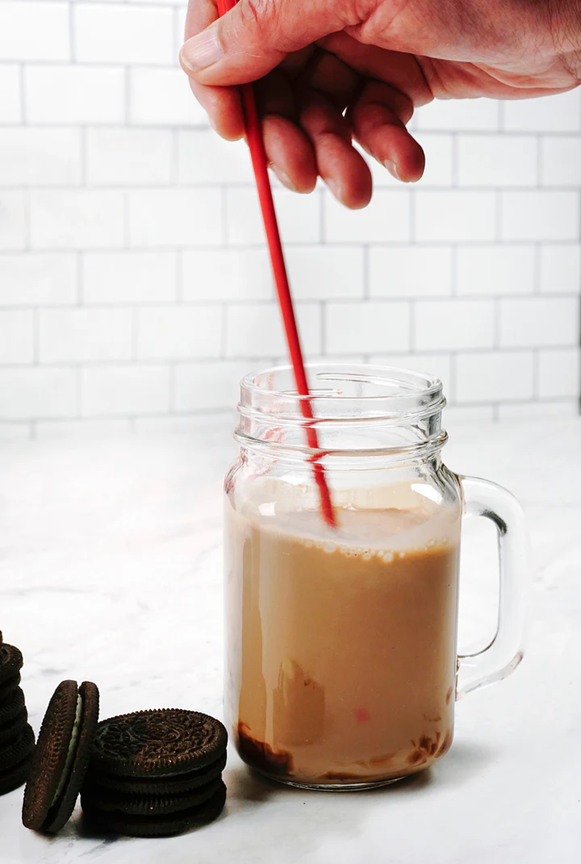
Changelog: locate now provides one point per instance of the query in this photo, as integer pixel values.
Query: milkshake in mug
(342, 667)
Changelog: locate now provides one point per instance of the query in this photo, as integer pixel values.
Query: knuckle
(271, 21)
(255, 14)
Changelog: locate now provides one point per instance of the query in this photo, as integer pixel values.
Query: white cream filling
(71, 751)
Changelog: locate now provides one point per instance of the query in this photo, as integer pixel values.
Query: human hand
(333, 71)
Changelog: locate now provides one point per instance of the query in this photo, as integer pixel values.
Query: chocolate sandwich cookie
(157, 743)
(14, 727)
(8, 687)
(107, 801)
(15, 759)
(61, 756)
(17, 750)
(10, 662)
(16, 736)
(169, 785)
(164, 825)
(156, 773)
(11, 706)
(14, 777)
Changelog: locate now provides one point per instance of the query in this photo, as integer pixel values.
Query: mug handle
(504, 653)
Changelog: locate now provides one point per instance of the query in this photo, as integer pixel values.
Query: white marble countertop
(111, 571)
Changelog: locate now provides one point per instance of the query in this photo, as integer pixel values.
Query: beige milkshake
(342, 644)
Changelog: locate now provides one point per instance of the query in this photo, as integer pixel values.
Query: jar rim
(366, 391)
(379, 411)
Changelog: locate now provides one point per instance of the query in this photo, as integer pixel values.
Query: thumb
(254, 36)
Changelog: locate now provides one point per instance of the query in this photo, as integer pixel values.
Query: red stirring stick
(260, 166)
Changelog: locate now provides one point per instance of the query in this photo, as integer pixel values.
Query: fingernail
(202, 50)
(335, 189)
(392, 168)
(284, 178)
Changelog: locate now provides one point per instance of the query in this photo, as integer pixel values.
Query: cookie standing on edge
(156, 773)
(61, 756)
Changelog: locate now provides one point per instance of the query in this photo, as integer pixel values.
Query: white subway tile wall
(84, 335)
(10, 93)
(128, 157)
(467, 115)
(74, 94)
(38, 392)
(558, 114)
(542, 321)
(135, 287)
(38, 280)
(560, 268)
(368, 327)
(457, 215)
(40, 157)
(34, 31)
(113, 390)
(505, 160)
(386, 219)
(13, 228)
(225, 274)
(410, 271)
(162, 97)
(79, 219)
(132, 278)
(108, 34)
(174, 217)
(498, 376)
(560, 161)
(497, 270)
(255, 330)
(453, 324)
(16, 336)
(174, 333)
(559, 372)
(539, 216)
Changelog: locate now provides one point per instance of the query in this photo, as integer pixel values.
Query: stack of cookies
(149, 774)
(16, 735)
(155, 773)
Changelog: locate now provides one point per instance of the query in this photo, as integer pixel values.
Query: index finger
(222, 104)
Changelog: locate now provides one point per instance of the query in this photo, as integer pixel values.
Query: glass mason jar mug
(342, 667)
